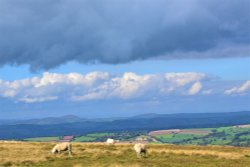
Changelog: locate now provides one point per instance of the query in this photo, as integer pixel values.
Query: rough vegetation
(37, 154)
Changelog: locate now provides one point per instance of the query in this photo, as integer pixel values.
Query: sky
(117, 58)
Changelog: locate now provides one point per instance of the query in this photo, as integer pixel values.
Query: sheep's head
(54, 151)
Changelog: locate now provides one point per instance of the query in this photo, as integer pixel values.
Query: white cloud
(181, 79)
(207, 92)
(239, 89)
(71, 78)
(37, 99)
(103, 85)
(195, 88)
(89, 96)
(8, 93)
(131, 85)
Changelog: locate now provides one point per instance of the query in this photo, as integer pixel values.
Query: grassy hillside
(122, 155)
(42, 139)
(217, 136)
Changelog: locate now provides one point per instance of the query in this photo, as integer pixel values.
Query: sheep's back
(63, 146)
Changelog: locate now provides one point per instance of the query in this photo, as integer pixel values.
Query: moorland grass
(37, 154)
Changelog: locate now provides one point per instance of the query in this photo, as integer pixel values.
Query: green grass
(93, 137)
(42, 139)
(100, 134)
(84, 139)
(245, 137)
(175, 138)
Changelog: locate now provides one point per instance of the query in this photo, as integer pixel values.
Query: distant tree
(214, 130)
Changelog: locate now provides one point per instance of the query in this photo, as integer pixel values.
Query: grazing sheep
(110, 141)
(140, 148)
(65, 146)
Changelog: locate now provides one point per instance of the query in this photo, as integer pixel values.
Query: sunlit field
(119, 155)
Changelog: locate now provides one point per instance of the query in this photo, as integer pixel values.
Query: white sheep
(140, 148)
(65, 146)
(110, 141)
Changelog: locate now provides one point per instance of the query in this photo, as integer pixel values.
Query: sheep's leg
(138, 155)
(145, 153)
(70, 150)
(70, 153)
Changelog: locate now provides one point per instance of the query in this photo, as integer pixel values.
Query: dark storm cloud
(47, 33)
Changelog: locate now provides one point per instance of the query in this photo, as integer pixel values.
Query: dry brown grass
(119, 155)
(24, 151)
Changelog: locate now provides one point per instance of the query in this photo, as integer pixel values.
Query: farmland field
(42, 139)
(215, 136)
(231, 135)
(93, 137)
(38, 154)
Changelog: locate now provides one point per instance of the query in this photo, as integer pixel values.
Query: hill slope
(155, 122)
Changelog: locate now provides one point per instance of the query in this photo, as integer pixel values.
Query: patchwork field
(38, 154)
(235, 136)
(42, 139)
(93, 137)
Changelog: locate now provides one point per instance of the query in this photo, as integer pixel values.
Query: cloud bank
(241, 89)
(105, 86)
(45, 34)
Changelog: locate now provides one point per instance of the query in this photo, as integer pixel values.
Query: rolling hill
(145, 122)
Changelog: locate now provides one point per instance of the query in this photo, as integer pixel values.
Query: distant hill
(44, 121)
(55, 120)
(78, 126)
